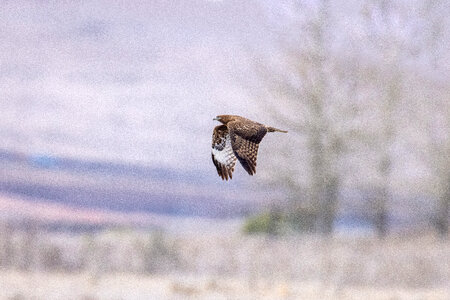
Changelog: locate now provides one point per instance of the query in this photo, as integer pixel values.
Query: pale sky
(141, 82)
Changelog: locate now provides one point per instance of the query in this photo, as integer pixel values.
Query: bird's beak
(216, 119)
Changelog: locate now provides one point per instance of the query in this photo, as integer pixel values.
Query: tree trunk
(380, 217)
(7, 251)
(329, 205)
(28, 247)
(443, 211)
(380, 205)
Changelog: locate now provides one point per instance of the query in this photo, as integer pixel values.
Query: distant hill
(74, 192)
(122, 187)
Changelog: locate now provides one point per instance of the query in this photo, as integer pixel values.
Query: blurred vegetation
(400, 260)
(278, 222)
(352, 115)
(160, 253)
(270, 222)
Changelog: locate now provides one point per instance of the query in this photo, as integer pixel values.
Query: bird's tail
(272, 129)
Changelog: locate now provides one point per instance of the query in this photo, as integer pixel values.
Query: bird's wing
(222, 152)
(245, 139)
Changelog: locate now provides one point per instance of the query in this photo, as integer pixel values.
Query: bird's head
(224, 119)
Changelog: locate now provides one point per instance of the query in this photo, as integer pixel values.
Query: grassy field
(130, 265)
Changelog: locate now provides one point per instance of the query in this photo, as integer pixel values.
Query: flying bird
(237, 139)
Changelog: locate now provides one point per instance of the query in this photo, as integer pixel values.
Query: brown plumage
(237, 139)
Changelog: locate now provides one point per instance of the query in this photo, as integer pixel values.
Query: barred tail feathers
(272, 129)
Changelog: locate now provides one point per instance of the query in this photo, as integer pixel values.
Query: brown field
(211, 266)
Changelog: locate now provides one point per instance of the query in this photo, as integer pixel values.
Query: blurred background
(107, 189)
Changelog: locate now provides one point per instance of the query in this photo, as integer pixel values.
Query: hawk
(237, 139)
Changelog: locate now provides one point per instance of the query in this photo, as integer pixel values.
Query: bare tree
(439, 138)
(381, 34)
(438, 158)
(302, 82)
(433, 107)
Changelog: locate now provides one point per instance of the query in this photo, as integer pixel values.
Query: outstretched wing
(245, 139)
(222, 152)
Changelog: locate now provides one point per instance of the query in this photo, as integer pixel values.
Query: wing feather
(222, 152)
(245, 139)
